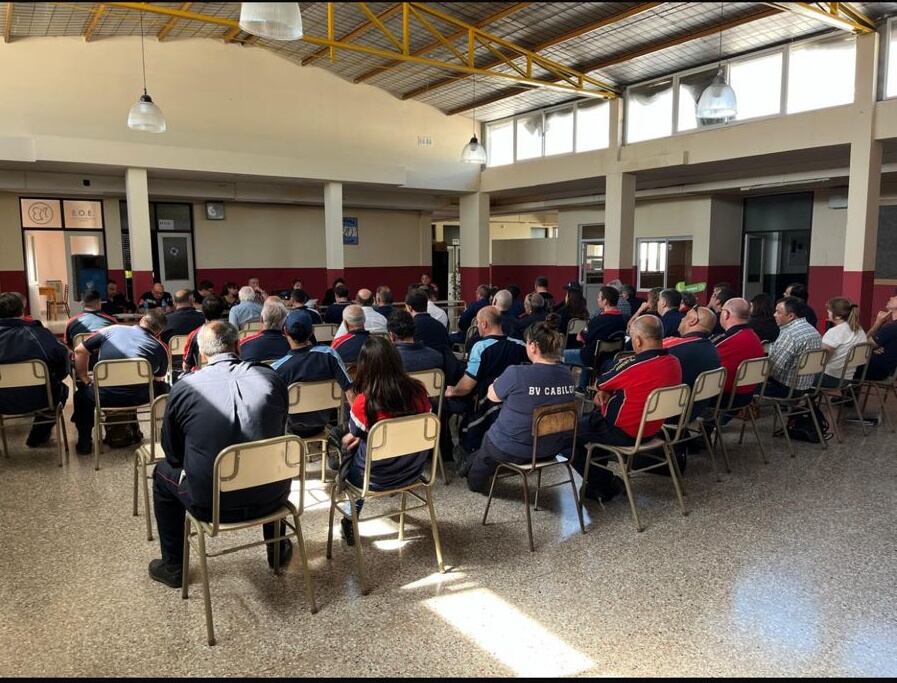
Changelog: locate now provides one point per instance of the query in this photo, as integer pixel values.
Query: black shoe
(286, 553)
(348, 531)
(615, 488)
(84, 447)
(37, 440)
(161, 571)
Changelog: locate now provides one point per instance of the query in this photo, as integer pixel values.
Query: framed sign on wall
(350, 230)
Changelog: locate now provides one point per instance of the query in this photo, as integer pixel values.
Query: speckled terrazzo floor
(783, 569)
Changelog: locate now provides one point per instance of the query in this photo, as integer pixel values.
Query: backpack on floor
(801, 428)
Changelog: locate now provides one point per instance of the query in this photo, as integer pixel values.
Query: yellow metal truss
(838, 14)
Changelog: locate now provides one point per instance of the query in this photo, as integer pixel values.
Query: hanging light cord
(474, 105)
(721, 35)
(142, 53)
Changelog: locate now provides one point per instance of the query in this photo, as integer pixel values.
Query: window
(690, 89)
(649, 111)
(821, 74)
(891, 67)
(758, 85)
(663, 263)
(529, 136)
(592, 125)
(559, 131)
(539, 233)
(500, 143)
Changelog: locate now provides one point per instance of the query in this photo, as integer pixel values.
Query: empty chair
(240, 467)
(315, 397)
(126, 372)
(846, 392)
(146, 456)
(434, 383)
(177, 347)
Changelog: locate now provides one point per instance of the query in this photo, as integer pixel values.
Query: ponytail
(842, 309)
(853, 318)
(546, 337)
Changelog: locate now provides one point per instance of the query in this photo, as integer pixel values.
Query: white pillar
(333, 230)
(474, 215)
(619, 227)
(139, 236)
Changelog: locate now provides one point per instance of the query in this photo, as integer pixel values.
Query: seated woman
(382, 390)
(521, 389)
(762, 320)
(229, 296)
(573, 308)
(845, 333)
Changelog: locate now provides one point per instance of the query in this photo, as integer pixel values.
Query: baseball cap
(573, 284)
(298, 326)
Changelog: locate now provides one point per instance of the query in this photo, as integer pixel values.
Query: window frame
(890, 30)
(666, 241)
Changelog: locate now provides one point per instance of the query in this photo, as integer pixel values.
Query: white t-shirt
(373, 322)
(437, 313)
(842, 340)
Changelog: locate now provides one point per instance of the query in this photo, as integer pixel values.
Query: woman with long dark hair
(229, 296)
(573, 308)
(762, 320)
(382, 390)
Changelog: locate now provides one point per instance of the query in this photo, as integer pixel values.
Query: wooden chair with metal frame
(434, 383)
(603, 348)
(125, 372)
(882, 389)
(34, 373)
(177, 347)
(312, 397)
(147, 455)
(662, 404)
(325, 332)
(574, 327)
(241, 467)
(252, 326)
(547, 421)
(76, 341)
(709, 385)
(846, 393)
(57, 297)
(750, 372)
(388, 439)
(809, 363)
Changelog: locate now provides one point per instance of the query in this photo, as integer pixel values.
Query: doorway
(591, 262)
(175, 260)
(773, 260)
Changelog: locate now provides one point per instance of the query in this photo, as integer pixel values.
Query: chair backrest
(28, 373)
(858, 355)
(243, 333)
(607, 346)
(307, 397)
(257, 463)
(576, 325)
(177, 344)
(157, 415)
(80, 338)
(559, 418)
(434, 382)
(709, 384)
(251, 325)
(752, 371)
(663, 404)
(400, 436)
(811, 362)
(124, 372)
(324, 332)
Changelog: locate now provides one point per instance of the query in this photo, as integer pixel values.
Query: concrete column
(139, 235)
(474, 215)
(861, 238)
(619, 227)
(333, 231)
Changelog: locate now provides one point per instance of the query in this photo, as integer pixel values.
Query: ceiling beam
(354, 33)
(641, 51)
(556, 40)
(839, 15)
(94, 22)
(7, 23)
(501, 14)
(163, 33)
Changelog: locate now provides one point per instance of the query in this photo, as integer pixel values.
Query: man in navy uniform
(299, 302)
(333, 314)
(114, 343)
(90, 319)
(230, 402)
(470, 314)
(348, 346)
(183, 319)
(414, 356)
(21, 340)
(606, 325)
(212, 309)
(668, 307)
(427, 330)
(269, 344)
(694, 349)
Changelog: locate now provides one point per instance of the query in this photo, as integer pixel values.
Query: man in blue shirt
(248, 310)
(333, 314)
(427, 330)
(184, 319)
(269, 344)
(299, 302)
(470, 313)
(535, 311)
(607, 325)
(670, 315)
(503, 301)
(694, 349)
(306, 362)
(157, 297)
(414, 356)
(383, 301)
(348, 346)
(90, 319)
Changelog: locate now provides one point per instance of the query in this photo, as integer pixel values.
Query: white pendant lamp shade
(474, 152)
(718, 101)
(145, 116)
(273, 20)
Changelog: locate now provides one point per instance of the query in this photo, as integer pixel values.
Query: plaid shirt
(794, 338)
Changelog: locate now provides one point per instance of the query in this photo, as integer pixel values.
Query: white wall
(828, 230)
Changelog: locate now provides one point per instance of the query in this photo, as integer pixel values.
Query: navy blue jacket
(349, 345)
(264, 345)
(605, 326)
(181, 323)
(670, 321)
(22, 340)
(86, 321)
(333, 314)
(417, 357)
(696, 354)
(430, 332)
(470, 313)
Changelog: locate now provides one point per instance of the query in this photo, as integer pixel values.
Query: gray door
(176, 260)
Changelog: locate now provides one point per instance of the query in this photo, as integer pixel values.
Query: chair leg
(781, 417)
(832, 420)
(678, 472)
(757, 436)
(529, 519)
(204, 572)
(135, 475)
(856, 406)
(402, 517)
(624, 475)
(185, 564)
(709, 446)
(582, 525)
(365, 589)
(60, 430)
(491, 491)
(675, 474)
(3, 435)
(276, 543)
(146, 503)
(719, 440)
(441, 466)
(65, 436)
(743, 425)
(435, 527)
(538, 487)
(309, 584)
(333, 501)
(97, 441)
(810, 407)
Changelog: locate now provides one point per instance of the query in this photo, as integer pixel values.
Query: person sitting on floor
(796, 336)
(90, 319)
(373, 321)
(248, 310)
(269, 344)
(349, 344)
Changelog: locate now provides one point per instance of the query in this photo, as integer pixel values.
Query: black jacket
(22, 340)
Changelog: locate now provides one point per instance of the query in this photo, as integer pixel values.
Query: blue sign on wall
(350, 230)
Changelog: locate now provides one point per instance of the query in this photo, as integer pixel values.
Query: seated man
(269, 344)
(184, 319)
(228, 403)
(670, 316)
(503, 301)
(90, 319)
(383, 301)
(427, 330)
(799, 291)
(21, 340)
(333, 314)
(414, 356)
(469, 314)
(373, 321)
(113, 343)
(256, 285)
(213, 307)
(883, 336)
(299, 302)
(435, 311)
(737, 344)
(721, 294)
(204, 289)
(515, 309)
(305, 362)
(116, 303)
(157, 297)
(349, 344)
(628, 293)
(535, 310)
(541, 288)
(695, 351)
(607, 325)
(796, 336)
(622, 393)
(689, 301)
(248, 310)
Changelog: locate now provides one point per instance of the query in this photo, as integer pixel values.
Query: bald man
(348, 345)
(738, 343)
(184, 319)
(693, 348)
(373, 321)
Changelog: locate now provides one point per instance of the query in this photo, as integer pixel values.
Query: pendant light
(145, 116)
(474, 152)
(272, 20)
(718, 103)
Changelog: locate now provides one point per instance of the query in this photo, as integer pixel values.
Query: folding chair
(574, 327)
(810, 363)
(240, 467)
(751, 372)
(325, 332)
(547, 421)
(177, 347)
(856, 362)
(603, 348)
(662, 404)
(76, 340)
(883, 389)
(251, 326)
(34, 373)
(708, 385)
(310, 397)
(434, 383)
(146, 456)
(388, 439)
(126, 372)
(243, 333)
